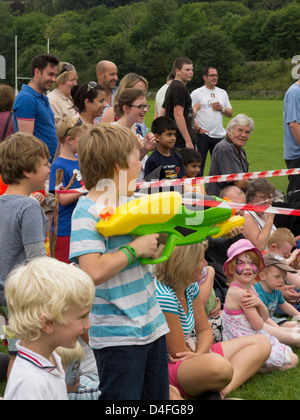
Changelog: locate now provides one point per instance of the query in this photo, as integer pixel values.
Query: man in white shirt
(209, 118)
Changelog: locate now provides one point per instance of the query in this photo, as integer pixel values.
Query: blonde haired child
(69, 131)
(81, 384)
(244, 313)
(197, 368)
(281, 242)
(128, 328)
(49, 304)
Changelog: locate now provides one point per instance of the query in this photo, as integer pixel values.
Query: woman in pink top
(244, 313)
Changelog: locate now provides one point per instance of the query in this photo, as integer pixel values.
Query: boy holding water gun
(127, 325)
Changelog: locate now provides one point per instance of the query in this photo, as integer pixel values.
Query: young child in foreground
(49, 304)
(244, 313)
(128, 327)
(69, 131)
(23, 227)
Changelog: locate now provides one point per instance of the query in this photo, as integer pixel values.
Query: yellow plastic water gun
(165, 213)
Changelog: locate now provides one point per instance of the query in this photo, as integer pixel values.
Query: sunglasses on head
(90, 86)
(78, 124)
(66, 67)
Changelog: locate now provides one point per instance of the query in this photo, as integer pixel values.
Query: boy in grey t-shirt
(23, 225)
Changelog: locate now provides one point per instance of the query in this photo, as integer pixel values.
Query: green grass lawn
(265, 146)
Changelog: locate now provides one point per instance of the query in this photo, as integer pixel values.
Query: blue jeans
(134, 372)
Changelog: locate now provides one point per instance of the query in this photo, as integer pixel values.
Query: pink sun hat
(238, 248)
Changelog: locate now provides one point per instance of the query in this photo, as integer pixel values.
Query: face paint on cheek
(240, 267)
(253, 268)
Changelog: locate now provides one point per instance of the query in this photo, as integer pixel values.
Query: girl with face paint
(244, 313)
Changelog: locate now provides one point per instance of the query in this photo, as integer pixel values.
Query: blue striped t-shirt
(169, 302)
(125, 311)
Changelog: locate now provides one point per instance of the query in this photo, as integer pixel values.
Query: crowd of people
(83, 317)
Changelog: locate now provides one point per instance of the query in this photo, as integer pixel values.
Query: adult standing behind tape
(291, 125)
(209, 119)
(178, 103)
(229, 156)
(32, 111)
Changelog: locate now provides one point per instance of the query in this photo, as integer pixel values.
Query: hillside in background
(253, 43)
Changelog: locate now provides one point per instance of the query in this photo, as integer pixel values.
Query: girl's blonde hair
(69, 356)
(70, 126)
(177, 270)
(45, 289)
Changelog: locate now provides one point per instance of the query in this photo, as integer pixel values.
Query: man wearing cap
(271, 280)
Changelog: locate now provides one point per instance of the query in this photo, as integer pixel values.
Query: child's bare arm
(103, 267)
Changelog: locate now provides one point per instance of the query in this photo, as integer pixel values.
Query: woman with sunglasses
(258, 225)
(130, 110)
(89, 101)
(60, 98)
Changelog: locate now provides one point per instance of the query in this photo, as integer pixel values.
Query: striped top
(169, 302)
(125, 311)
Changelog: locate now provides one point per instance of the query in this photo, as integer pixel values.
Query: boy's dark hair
(41, 62)
(189, 156)
(162, 124)
(180, 62)
(18, 153)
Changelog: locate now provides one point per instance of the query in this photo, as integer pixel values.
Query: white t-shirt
(207, 118)
(34, 378)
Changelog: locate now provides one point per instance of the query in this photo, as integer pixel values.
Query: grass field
(265, 146)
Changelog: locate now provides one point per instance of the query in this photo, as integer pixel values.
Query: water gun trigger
(230, 201)
(106, 213)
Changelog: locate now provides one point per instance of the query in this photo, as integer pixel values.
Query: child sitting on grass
(244, 313)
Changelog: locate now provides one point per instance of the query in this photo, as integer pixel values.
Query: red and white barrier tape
(212, 203)
(218, 178)
(243, 207)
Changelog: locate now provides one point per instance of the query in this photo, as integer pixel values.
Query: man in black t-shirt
(178, 103)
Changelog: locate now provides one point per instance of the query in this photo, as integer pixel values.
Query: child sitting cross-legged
(268, 289)
(49, 304)
(197, 368)
(244, 312)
